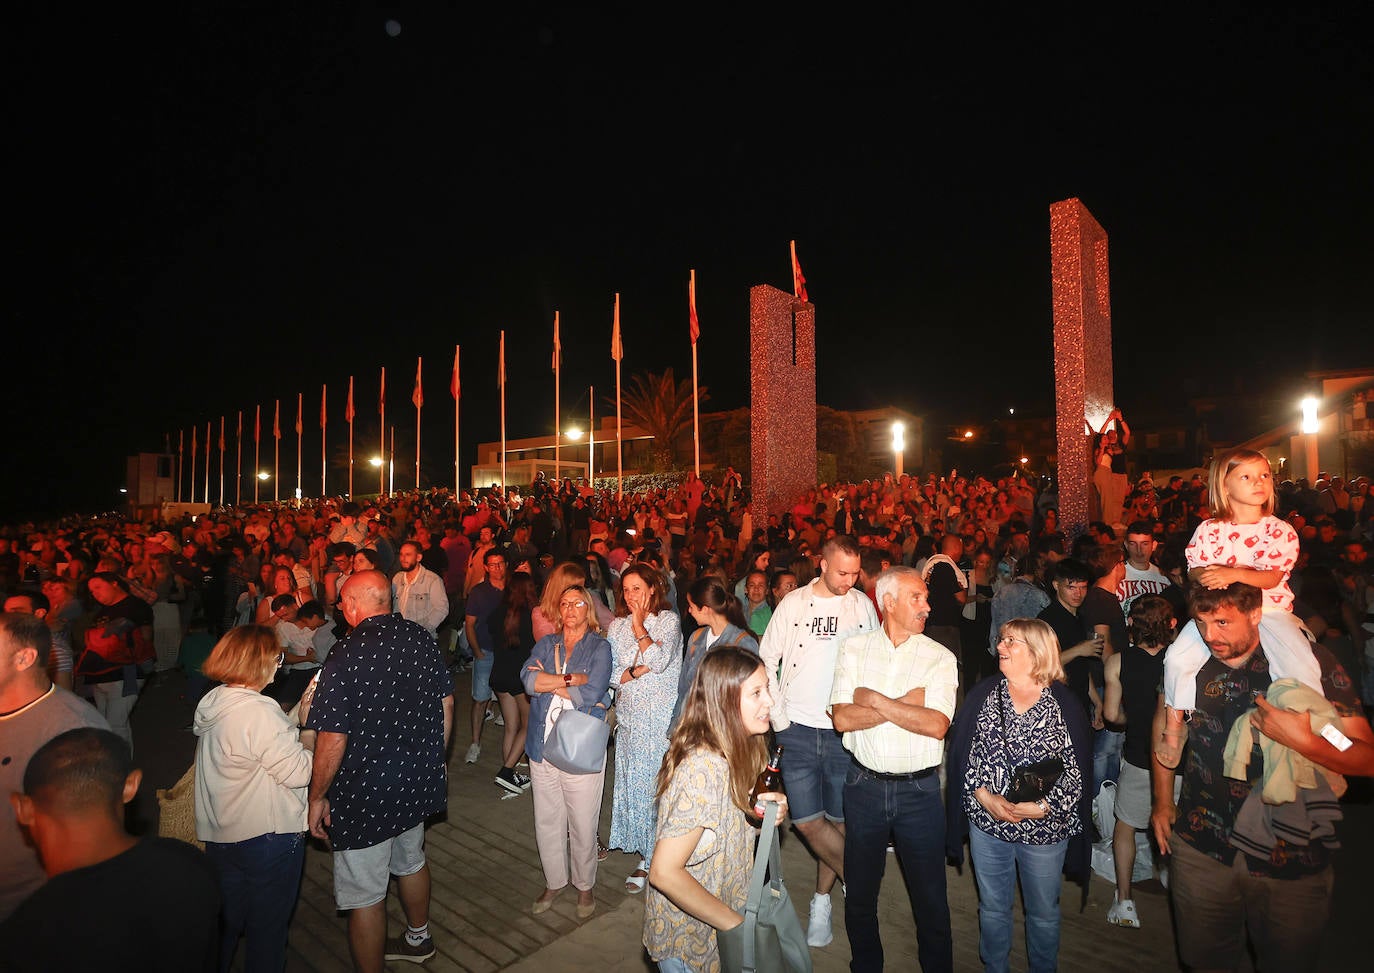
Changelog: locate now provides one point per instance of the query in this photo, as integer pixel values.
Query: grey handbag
(577, 743)
(770, 939)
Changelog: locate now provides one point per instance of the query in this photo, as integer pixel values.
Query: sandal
(635, 883)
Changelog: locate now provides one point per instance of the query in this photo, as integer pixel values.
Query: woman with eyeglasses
(568, 669)
(253, 767)
(1022, 719)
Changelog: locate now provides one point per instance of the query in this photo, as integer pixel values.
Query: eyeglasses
(1011, 638)
(565, 605)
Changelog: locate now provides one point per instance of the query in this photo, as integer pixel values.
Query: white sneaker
(818, 932)
(1122, 913)
(474, 752)
(499, 720)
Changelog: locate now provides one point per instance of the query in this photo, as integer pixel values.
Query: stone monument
(782, 420)
(1082, 351)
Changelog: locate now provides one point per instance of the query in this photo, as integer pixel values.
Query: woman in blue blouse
(569, 669)
(1022, 716)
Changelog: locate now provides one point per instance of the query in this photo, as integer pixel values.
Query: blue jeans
(995, 865)
(1107, 746)
(259, 879)
(673, 965)
(911, 814)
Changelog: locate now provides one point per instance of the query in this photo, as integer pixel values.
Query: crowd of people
(879, 632)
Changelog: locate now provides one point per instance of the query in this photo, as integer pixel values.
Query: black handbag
(770, 939)
(1033, 781)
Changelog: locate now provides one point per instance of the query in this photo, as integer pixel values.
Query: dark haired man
(119, 650)
(1079, 650)
(1225, 878)
(139, 905)
(802, 642)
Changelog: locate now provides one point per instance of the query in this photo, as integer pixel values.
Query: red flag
(193, 440)
(348, 409)
(418, 396)
(221, 434)
(617, 349)
(381, 397)
(454, 388)
(693, 326)
(257, 423)
(557, 345)
(501, 363)
(240, 430)
(300, 412)
(324, 403)
(798, 281)
(276, 421)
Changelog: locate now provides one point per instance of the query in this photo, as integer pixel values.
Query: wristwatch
(567, 678)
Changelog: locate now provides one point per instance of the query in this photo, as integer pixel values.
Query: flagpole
(348, 417)
(391, 465)
(238, 474)
(324, 439)
(276, 453)
(300, 428)
(181, 450)
(557, 432)
(501, 380)
(221, 461)
(207, 461)
(419, 404)
(591, 451)
(619, 444)
(191, 493)
(696, 419)
(257, 449)
(381, 408)
(455, 389)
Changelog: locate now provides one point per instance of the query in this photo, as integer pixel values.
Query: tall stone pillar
(1082, 351)
(782, 421)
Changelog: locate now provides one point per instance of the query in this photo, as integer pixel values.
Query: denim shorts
(814, 765)
(361, 874)
(481, 678)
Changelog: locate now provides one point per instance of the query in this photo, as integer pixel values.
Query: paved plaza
(486, 873)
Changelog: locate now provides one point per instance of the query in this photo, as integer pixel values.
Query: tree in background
(662, 407)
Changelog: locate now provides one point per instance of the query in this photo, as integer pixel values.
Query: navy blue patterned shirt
(384, 685)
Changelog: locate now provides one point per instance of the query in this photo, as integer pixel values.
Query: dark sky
(217, 207)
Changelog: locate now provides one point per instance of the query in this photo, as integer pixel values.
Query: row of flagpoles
(418, 399)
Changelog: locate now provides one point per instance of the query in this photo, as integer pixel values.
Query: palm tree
(662, 407)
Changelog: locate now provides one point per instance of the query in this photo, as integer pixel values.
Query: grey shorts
(1133, 796)
(361, 874)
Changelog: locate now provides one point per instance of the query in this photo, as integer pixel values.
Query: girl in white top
(1242, 542)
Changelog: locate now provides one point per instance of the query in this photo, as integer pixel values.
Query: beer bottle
(769, 782)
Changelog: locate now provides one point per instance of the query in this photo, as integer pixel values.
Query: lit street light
(1311, 424)
(898, 445)
(376, 461)
(264, 476)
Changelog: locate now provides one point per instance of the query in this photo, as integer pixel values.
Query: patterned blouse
(1034, 735)
(723, 860)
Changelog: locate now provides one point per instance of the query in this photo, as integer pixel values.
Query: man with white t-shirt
(1142, 576)
(804, 635)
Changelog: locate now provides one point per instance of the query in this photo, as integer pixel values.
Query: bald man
(383, 711)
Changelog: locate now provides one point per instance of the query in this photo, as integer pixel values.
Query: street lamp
(375, 461)
(264, 476)
(1310, 425)
(898, 445)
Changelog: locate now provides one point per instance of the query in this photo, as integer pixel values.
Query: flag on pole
(381, 398)
(348, 409)
(193, 442)
(693, 326)
(418, 396)
(257, 423)
(324, 402)
(221, 434)
(300, 409)
(798, 281)
(240, 429)
(276, 421)
(501, 363)
(617, 350)
(557, 345)
(454, 388)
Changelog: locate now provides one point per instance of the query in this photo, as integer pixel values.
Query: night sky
(213, 208)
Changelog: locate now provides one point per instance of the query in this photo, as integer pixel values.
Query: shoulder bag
(576, 743)
(1032, 781)
(770, 939)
